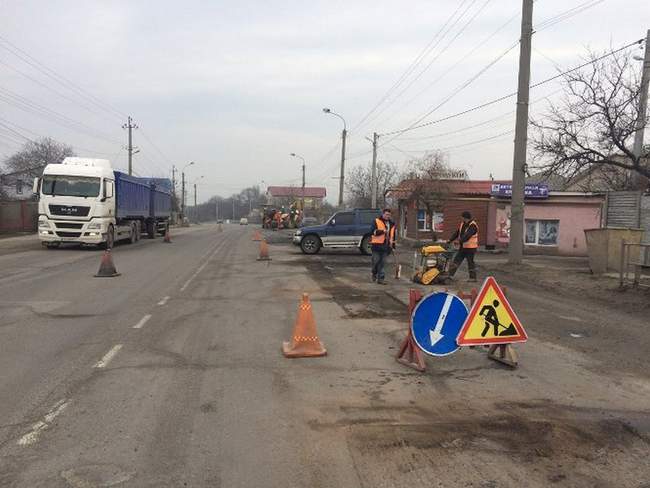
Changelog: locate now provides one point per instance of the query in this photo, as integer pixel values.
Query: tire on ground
(310, 244)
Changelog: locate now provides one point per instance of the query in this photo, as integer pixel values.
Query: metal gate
(623, 209)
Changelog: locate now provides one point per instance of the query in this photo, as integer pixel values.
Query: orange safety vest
(472, 242)
(380, 239)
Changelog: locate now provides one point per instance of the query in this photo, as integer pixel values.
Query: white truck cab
(77, 203)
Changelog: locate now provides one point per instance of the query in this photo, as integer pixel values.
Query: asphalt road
(171, 375)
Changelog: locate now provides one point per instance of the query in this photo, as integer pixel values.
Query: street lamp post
(343, 137)
(183, 190)
(196, 212)
(302, 203)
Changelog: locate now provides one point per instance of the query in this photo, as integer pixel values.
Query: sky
(236, 86)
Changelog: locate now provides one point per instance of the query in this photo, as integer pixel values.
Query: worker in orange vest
(382, 241)
(467, 236)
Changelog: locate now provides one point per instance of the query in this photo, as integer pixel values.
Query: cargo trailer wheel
(133, 237)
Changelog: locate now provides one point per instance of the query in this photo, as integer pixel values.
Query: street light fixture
(343, 137)
(302, 204)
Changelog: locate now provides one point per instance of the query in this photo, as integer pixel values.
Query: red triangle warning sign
(491, 319)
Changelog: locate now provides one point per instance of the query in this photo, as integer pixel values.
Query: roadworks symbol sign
(491, 319)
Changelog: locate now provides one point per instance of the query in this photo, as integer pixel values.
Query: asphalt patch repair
(357, 304)
(519, 445)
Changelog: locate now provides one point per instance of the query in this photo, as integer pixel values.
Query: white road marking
(163, 301)
(202, 267)
(574, 319)
(143, 321)
(32, 436)
(103, 362)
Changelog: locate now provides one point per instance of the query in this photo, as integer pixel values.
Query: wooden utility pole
(373, 174)
(516, 246)
(342, 178)
(643, 111)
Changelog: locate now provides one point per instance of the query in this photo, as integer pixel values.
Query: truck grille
(73, 210)
(68, 225)
(67, 234)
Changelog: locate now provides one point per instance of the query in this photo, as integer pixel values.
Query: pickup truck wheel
(365, 247)
(310, 244)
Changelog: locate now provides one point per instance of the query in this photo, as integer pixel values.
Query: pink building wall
(575, 215)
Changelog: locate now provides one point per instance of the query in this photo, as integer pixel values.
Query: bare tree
(35, 155)
(358, 183)
(426, 179)
(592, 128)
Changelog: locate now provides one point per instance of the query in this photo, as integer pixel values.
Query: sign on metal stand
(436, 321)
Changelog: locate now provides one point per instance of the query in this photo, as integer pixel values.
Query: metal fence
(18, 216)
(635, 264)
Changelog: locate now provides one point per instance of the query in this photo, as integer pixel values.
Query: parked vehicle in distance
(83, 200)
(219, 221)
(347, 229)
(243, 221)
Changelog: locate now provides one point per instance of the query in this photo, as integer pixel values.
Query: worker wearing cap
(382, 241)
(467, 236)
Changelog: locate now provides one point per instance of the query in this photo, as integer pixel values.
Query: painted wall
(574, 216)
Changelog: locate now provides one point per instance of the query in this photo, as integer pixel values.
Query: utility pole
(196, 210)
(182, 196)
(302, 204)
(373, 175)
(233, 209)
(516, 246)
(643, 109)
(342, 179)
(130, 125)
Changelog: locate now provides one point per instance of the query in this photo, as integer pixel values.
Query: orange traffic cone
(305, 342)
(264, 251)
(257, 236)
(106, 267)
(167, 238)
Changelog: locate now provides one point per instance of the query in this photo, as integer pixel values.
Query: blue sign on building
(436, 322)
(531, 190)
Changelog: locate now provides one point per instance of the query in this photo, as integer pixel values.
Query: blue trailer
(145, 200)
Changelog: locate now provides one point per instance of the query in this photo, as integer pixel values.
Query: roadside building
(554, 220)
(18, 208)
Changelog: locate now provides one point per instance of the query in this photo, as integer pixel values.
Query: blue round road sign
(436, 322)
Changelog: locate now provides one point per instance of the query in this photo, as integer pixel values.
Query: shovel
(398, 266)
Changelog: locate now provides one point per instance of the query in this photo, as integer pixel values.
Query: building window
(542, 232)
(19, 187)
(423, 221)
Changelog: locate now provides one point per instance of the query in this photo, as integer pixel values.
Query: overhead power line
(510, 95)
(58, 78)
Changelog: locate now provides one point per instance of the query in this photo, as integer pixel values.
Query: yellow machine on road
(431, 264)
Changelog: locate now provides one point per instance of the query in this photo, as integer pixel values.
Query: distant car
(309, 221)
(348, 229)
(243, 221)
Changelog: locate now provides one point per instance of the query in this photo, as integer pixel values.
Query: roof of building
(297, 191)
(458, 187)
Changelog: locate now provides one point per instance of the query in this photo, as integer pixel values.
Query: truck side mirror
(108, 190)
(37, 181)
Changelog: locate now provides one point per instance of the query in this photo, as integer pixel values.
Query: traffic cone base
(168, 238)
(107, 267)
(264, 251)
(257, 236)
(305, 342)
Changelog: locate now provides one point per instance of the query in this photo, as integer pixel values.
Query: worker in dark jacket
(467, 236)
(383, 241)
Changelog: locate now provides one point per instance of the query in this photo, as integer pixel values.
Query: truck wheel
(110, 237)
(365, 247)
(151, 229)
(310, 244)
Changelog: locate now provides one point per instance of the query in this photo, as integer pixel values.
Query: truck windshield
(70, 186)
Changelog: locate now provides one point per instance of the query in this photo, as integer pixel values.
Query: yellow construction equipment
(431, 264)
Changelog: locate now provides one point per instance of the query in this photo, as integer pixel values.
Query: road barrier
(304, 341)
(106, 266)
(490, 322)
(264, 251)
